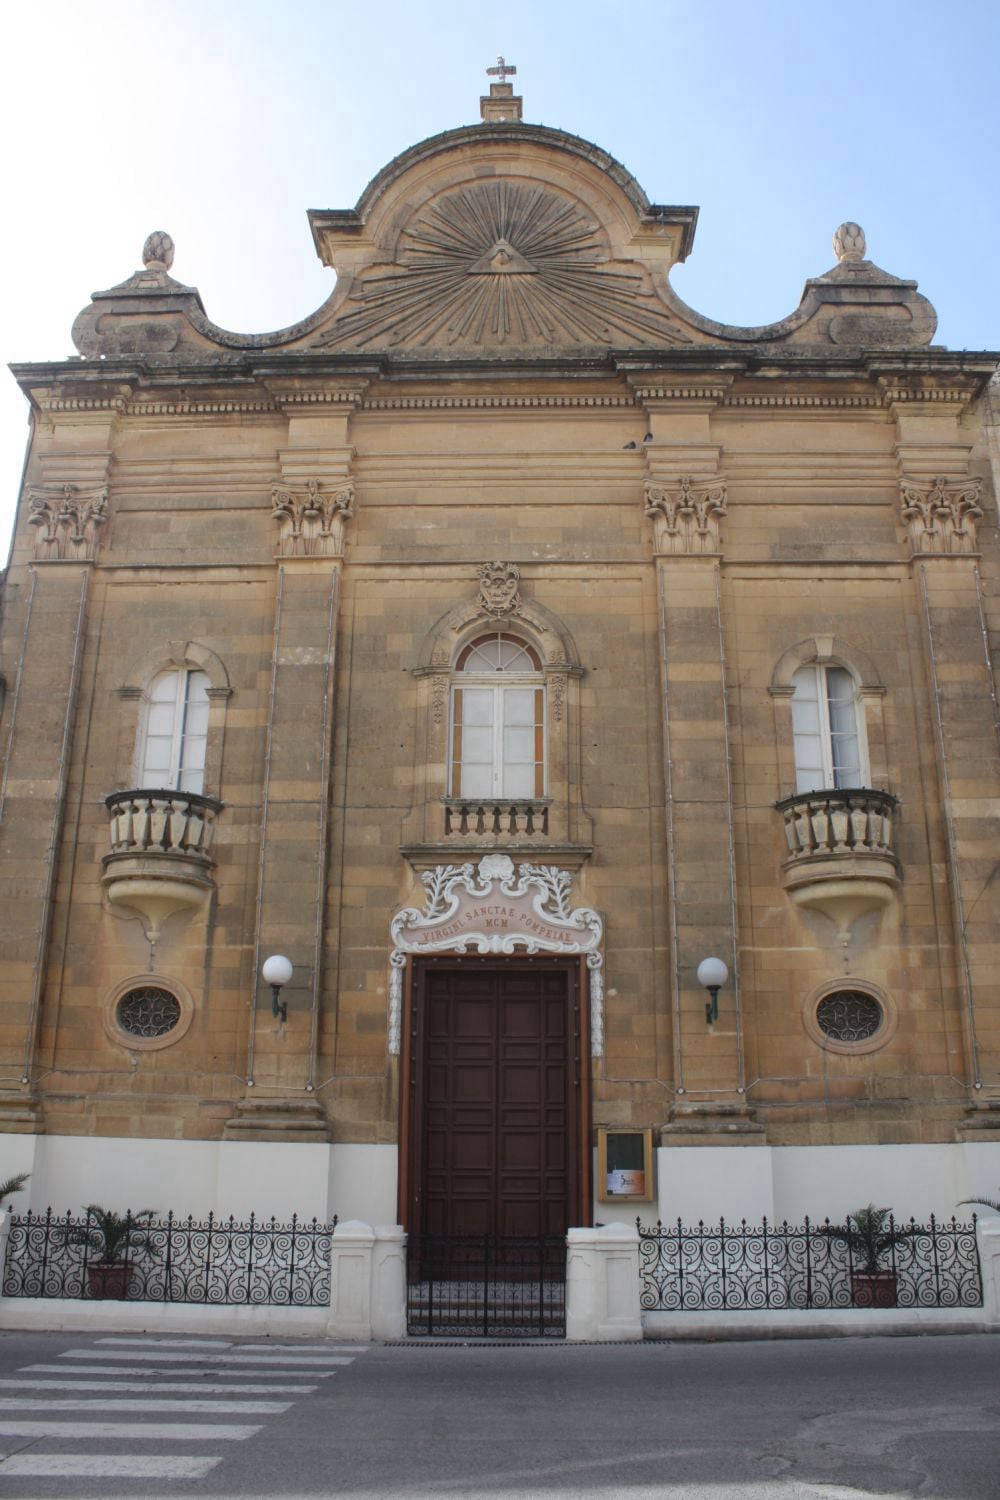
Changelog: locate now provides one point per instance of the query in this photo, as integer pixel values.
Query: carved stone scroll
(68, 520)
(685, 519)
(941, 514)
(491, 908)
(311, 522)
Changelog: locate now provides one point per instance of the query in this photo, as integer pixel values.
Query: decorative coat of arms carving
(493, 908)
(942, 515)
(499, 589)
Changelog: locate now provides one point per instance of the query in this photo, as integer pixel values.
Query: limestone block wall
(677, 744)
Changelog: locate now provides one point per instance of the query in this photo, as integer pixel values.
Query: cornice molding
(487, 403)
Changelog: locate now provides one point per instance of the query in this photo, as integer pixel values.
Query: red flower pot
(109, 1281)
(873, 1288)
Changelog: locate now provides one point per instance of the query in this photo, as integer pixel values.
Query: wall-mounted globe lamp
(712, 973)
(277, 971)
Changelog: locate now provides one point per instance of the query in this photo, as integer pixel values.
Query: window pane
(477, 746)
(846, 762)
(518, 706)
(519, 781)
(477, 706)
(197, 691)
(477, 781)
(160, 719)
(157, 753)
(163, 688)
(805, 715)
(805, 685)
(514, 657)
(196, 718)
(519, 746)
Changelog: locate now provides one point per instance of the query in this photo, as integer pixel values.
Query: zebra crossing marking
(196, 1371)
(222, 1388)
(178, 1432)
(193, 1370)
(105, 1466)
(167, 1407)
(163, 1357)
(172, 1343)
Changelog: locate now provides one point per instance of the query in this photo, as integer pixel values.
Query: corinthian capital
(941, 514)
(686, 516)
(311, 521)
(68, 520)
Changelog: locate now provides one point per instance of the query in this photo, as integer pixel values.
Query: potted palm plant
(870, 1236)
(11, 1186)
(117, 1241)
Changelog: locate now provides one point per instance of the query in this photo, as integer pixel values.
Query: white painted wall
(788, 1182)
(363, 1183)
(193, 1177)
(359, 1181)
(712, 1182)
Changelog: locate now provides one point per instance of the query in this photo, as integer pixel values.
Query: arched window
(498, 720)
(828, 724)
(173, 731)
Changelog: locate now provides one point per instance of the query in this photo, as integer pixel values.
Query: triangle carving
(502, 260)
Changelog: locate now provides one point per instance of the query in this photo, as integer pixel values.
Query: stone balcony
(159, 861)
(841, 860)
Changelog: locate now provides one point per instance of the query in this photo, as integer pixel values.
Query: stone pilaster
(313, 501)
(685, 499)
(41, 714)
(942, 507)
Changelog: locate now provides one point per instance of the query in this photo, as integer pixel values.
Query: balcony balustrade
(841, 859)
(159, 861)
(491, 818)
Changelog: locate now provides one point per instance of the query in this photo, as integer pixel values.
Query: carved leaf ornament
(504, 263)
(497, 909)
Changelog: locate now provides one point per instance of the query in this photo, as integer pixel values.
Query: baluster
(859, 822)
(839, 828)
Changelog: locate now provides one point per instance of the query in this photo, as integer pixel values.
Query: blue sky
(223, 122)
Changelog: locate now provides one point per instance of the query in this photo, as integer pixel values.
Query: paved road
(122, 1416)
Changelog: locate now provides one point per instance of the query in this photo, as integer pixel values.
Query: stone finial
(158, 251)
(849, 243)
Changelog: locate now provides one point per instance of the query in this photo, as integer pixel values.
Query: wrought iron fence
(486, 1285)
(259, 1262)
(748, 1268)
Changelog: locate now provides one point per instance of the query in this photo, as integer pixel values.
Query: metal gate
(483, 1286)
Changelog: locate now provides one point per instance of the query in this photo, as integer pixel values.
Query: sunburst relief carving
(502, 263)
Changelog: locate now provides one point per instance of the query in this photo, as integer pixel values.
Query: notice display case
(625, 1166)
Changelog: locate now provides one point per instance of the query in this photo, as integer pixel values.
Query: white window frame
(498, 683)
(171, 776)
(819, 670)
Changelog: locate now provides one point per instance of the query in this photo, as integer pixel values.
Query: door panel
(494, 1127)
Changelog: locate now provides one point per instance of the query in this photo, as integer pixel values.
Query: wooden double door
(496, 1106)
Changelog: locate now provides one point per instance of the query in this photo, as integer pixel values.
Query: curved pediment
(500, 240)
(504, 263)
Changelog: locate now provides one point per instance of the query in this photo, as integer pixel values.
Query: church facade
(497, 645)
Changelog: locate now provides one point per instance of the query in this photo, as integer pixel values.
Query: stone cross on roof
(502, 71)
(502, 103)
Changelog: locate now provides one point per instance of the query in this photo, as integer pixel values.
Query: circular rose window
(148, 1012)
(849, 1016)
